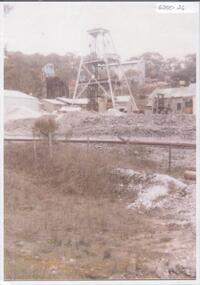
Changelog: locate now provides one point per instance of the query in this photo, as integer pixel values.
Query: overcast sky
(135, 27)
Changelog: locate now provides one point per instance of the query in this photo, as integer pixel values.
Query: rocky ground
(134, 125)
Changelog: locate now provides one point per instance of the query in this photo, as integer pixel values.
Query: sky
(40, 27)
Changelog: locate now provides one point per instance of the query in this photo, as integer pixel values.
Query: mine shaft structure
(100, 74)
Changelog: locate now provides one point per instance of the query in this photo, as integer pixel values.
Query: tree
(154, 65)
(45, 126)
(24, 72)
(184, 70)
(190, 66)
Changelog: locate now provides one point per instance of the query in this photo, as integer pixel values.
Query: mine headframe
(100, 74)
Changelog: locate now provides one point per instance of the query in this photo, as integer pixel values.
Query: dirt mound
(154, 190)
(138, 125)
(163, 192)
(168, 202)
(95, 124)
(19, 127)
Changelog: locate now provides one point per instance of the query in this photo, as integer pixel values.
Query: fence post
(88, 143)
(35, 150)
(50, 145)
(170, 158)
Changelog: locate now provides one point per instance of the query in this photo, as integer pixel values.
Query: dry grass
(66, 219)
(67, 207)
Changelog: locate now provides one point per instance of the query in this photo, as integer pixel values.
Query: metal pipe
(112, 140)
(170, 158)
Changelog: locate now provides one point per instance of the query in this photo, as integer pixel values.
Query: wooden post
(50, 145)
(88, 144)
(35, 150)
(170, 157)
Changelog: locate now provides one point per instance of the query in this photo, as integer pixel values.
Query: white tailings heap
(18, 105)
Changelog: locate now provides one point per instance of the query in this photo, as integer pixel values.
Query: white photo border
(121, 282)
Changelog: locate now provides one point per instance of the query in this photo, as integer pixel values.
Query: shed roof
(53, 101)
(178, 92)
(18, 94)
(76, 101)
(192, 89)
(122, 99)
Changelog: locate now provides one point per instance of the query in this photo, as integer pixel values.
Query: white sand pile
(148, 196)
(153, 190)
(157, 191)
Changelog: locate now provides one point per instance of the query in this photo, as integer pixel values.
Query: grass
(65, 218)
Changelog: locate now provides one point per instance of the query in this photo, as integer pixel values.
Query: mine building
(173, 100)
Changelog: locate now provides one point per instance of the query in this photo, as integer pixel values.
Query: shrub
(45, 125)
